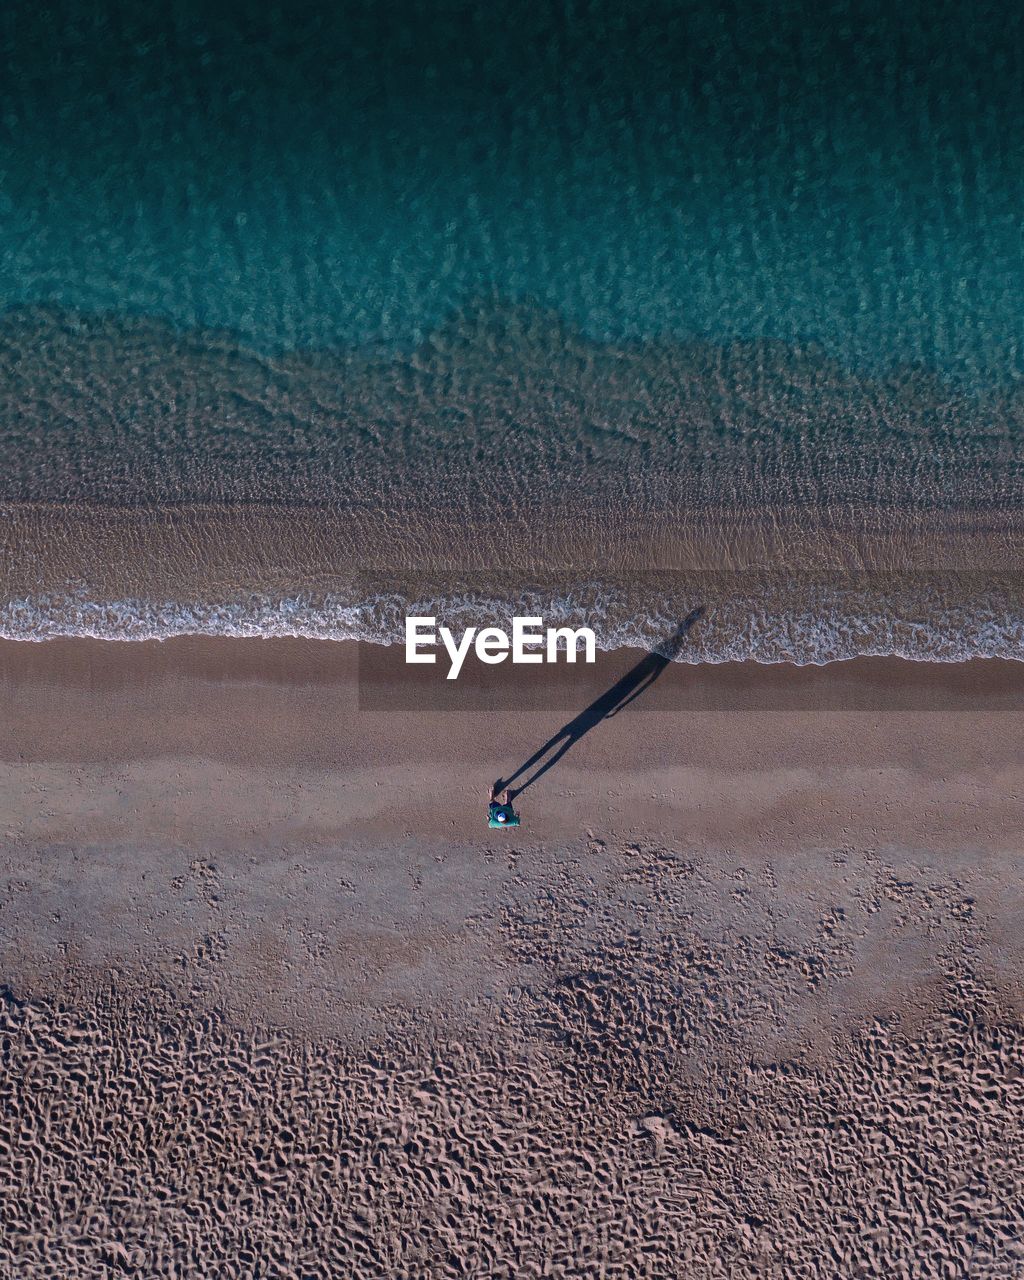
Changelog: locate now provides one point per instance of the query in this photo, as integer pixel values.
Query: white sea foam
(803, 623)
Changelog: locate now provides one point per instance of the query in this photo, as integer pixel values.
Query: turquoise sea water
(503, 262)
(318, 175)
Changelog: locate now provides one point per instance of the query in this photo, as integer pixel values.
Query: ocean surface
(311, 316)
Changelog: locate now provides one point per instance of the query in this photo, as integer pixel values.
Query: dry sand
(741, 998)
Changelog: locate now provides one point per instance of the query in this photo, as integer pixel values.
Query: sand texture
(742, 997)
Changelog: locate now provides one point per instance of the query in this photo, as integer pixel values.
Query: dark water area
(533, 285)
(316, 175)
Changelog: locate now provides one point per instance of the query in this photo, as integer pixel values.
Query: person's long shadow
(620, 695)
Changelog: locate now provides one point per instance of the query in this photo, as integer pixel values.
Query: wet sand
(742, 996)
(758, 759)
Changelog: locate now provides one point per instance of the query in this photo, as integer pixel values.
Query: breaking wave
(745, 617)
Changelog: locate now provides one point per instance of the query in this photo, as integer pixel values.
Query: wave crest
(746, 618)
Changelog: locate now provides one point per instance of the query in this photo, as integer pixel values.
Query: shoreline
(372, 727)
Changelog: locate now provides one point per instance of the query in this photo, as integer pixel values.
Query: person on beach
(499, 809)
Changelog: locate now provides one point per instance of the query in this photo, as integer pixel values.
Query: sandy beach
(683, 1021)
(135, 739)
